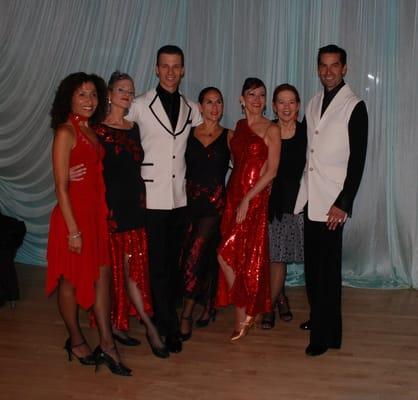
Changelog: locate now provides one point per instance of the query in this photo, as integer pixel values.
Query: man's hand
(335, 216)
(77, 173)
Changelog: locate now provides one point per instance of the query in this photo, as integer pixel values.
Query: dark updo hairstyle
(119, 76)
(252, 83)
(61, 107)
(208, 89)
(282, 88)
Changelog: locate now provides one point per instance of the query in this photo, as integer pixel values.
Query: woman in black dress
(125, 198)
(285, 228)
(207, 160)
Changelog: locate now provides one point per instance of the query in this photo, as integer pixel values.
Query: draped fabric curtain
(224, 42)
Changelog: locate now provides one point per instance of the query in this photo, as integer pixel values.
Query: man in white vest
(337, 126)
(165, 117)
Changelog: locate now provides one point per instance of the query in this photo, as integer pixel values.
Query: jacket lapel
(184, 116)
(160, 115)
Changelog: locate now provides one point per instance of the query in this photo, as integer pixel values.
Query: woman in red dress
(78, 253)
(243, 252)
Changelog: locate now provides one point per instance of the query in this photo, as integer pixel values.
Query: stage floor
(378, 360)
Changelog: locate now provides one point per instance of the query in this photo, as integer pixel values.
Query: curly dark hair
(61, 107)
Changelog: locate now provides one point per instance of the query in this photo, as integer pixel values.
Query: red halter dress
(90, 212)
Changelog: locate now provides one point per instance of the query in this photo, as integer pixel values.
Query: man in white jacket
(337, 126)
(164, 117)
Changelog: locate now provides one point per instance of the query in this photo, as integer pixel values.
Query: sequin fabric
(134, 246)
(244, 246)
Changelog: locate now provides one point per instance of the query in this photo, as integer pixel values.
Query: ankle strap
(78, 345)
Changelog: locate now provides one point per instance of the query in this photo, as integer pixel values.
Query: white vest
(327, 153)
(164, 167)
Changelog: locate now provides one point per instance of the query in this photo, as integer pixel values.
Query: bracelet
(74, 235)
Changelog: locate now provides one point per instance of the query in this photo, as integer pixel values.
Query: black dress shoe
(173, 344)
(160, 352)
(334, 346)
(115, 367)
(202, 323)
(86, 360)
(306, 325)
(186, 336)
(315, 350)
(127, 341)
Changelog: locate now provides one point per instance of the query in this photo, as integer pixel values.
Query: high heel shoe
(245, 327)
(269, 320)
(284, 309)
(115, 367)
(203, 323)
(160, 352)
(86, 360)
(127, 341)
(186, 336)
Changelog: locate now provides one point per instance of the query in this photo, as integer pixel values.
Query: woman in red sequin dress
(78, 253)
(243, 252)
(125, 197)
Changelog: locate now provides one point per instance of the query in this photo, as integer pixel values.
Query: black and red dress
(125, 198)
(205, 176)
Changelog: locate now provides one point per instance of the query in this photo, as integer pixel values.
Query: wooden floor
(378, 360)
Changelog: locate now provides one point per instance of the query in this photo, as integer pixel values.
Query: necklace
(78, 117)
(287, 131)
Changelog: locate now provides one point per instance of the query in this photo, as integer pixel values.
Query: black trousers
(12, 232)
(323, 249)
(166, 230)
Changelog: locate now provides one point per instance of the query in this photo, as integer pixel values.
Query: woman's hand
(77, 173)
(75, 242)
(242, 210)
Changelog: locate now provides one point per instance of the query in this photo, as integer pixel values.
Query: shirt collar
(330, 94)
(162, 92)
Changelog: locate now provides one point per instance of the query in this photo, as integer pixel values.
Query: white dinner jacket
(164, 167)
(327, 153)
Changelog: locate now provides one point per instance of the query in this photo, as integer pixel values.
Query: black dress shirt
(329, 95)
(171, 104)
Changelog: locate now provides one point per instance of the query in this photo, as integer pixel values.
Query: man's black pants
(165, 230)
(323, 249)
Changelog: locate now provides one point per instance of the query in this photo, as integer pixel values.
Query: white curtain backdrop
(224, 42)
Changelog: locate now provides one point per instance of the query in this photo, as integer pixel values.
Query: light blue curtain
(224, 41)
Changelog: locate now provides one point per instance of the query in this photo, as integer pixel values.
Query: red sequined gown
(125, 197)
(244, 246)
(89, 207)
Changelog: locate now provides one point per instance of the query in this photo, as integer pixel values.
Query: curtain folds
(224, 42)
